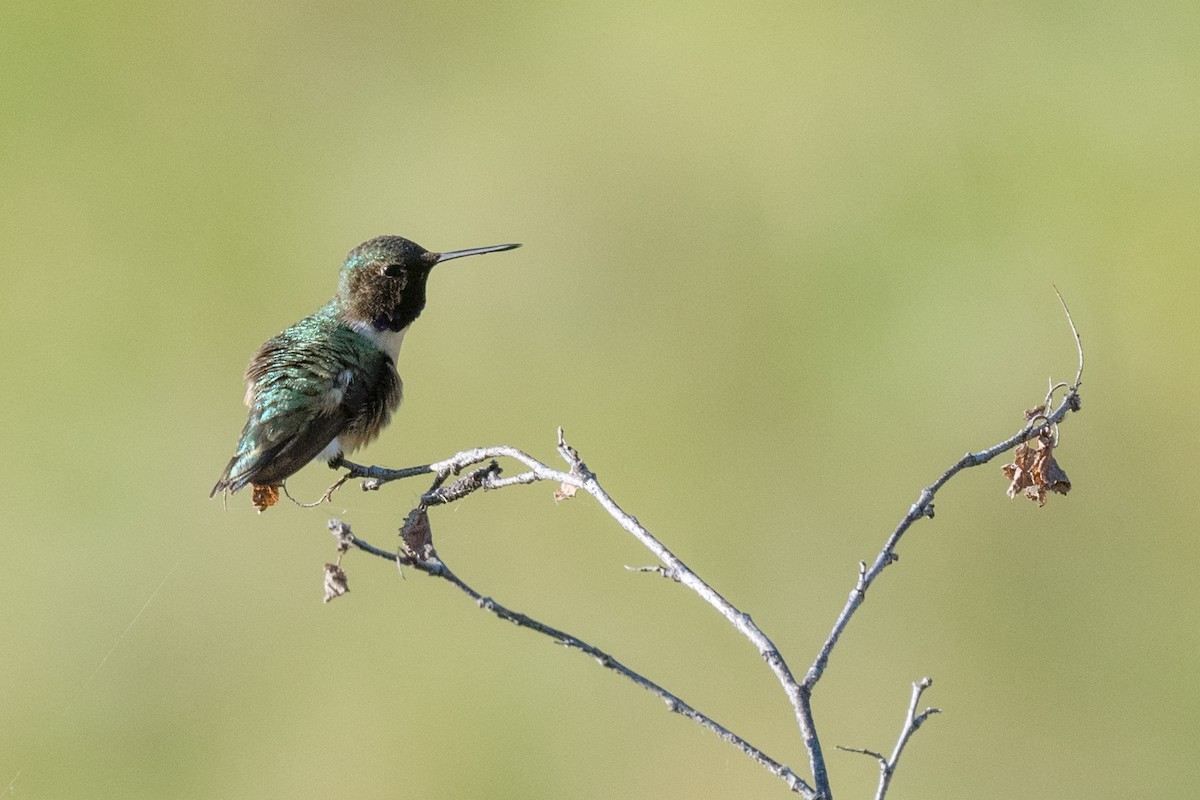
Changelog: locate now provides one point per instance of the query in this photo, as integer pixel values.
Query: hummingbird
(328, 384)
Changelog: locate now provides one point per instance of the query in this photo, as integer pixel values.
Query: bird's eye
(392, 270)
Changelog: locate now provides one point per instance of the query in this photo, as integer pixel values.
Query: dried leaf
(1035, 471)
(565, 491)
(336, 583)
(264, 496)
(1051, 477)
(1020, 472)
(417, 536)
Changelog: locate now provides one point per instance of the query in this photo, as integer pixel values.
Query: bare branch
(797, 695)
(580, 477)
(378, 476)
(880, 757)
(1078, 343)
(1041, 421)
(922, 508)
(487, 477)
(438, 569)
(912, 721)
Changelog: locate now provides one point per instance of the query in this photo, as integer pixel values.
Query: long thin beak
(474, 251)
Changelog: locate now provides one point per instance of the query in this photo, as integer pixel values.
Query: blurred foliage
(783, 265)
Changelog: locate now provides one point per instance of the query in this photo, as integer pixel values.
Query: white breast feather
(387, 341)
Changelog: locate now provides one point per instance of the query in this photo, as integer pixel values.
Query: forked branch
(912, 721)
(437, 568)
(1041, 425)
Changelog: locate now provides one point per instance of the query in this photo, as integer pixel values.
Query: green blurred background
(783, 264)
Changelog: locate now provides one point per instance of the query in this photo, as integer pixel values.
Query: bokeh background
(783, 264)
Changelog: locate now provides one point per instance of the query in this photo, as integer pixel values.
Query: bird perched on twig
(328, 384)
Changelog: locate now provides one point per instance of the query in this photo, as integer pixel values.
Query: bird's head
(383, 280)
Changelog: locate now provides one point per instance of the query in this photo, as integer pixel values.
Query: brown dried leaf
(1035, 471)
(417, 536)
(264, 496)
(336, 582)
(1051, 477)
(1020, 472)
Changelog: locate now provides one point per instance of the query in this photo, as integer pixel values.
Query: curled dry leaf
(565, 491)
(1051, 476)
(1035, 470)
(264, 496)
(417, 536)
(336, 583)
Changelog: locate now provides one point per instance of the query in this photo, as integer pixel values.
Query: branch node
(569, 454)
(924, 715)
(661, 571)
(483, 478)
(924, 506)
(341, 532)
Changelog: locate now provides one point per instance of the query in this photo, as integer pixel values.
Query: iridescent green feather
(312, 382)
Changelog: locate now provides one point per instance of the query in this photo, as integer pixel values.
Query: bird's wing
(303, 394)
(295, 383)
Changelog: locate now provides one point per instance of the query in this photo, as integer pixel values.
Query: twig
(799, 693)
(378, 476)
(922, 508)
(438, 569)
(582, 478)
(325, 498)
(912, 721)
(1078, 343)
(880, 757)
(663, 571)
